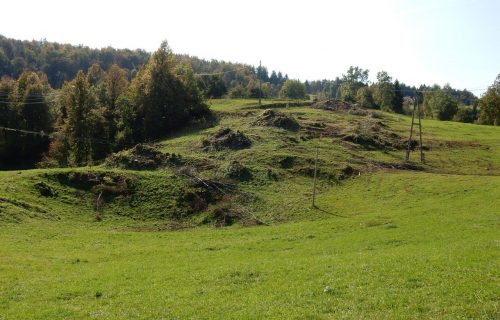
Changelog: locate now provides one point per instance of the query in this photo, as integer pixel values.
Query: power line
(37, 94)
(45, 98)
(25, 103)
(56, 134)
(40, 133)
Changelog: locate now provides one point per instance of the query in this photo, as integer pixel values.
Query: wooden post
(315, 177)
(97, 202)
(260, 81)
(408, 149)
(420, 132)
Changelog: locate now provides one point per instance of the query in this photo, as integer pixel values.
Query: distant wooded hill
(61, 62)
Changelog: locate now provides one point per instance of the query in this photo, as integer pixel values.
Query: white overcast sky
(427, 41)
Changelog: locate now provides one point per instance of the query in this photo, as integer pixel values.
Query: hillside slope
(386, 240)
(254, 164)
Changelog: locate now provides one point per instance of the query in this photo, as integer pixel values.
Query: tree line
(97, 112)
(61, 63)
(235, 80)
(439, 102)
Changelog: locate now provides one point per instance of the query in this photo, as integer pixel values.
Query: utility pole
(408, 148)
(420, 132)
(417, 109)
(315, 177)
(260, 82)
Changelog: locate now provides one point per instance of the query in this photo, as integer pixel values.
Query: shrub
(464, 114)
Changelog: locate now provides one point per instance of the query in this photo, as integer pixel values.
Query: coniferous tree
(273, 79)
(79, 101)
(397, 104)
(7, 89)
(164, 95)
(26, 106)
(116, 84)
(214, 86)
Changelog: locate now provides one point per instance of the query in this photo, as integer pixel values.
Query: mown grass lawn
(392, 245)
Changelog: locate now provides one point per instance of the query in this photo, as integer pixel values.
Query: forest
(85, 103)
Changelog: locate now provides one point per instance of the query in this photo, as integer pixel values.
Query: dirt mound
(275, 118)
(333, 105)
(286, 162)
(45, 189)
(227, 213)
(348, 171)
(226, 139)
(281, 104)
(111, 184)
(374, 135)
(142, 157)
(368, 133)
(340, 105)
(235, 170)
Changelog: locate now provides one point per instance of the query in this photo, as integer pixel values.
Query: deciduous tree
(439, 104)
(352, 80)
(489, 105)
(383, 92)
(293, 89)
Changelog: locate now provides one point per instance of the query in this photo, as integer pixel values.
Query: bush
(464, 114)
(237, 92)
(294, 89)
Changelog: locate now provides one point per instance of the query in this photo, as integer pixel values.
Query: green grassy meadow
(382, 243)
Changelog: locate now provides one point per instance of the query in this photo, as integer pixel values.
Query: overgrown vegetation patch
(226, 213)
(143, 157)
(226, 138)
(283, 104)
(237, 171)
(286, 162)
(45, 189)
(347, 107)
(333, 105)
(97, 182)
(273, 118)
(174, 196)
(365, 132)
(375, 135)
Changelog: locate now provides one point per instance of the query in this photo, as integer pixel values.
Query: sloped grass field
(382, 243)
(385, 249)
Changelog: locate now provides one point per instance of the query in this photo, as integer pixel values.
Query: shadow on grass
(327, 212)
(192, 128)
